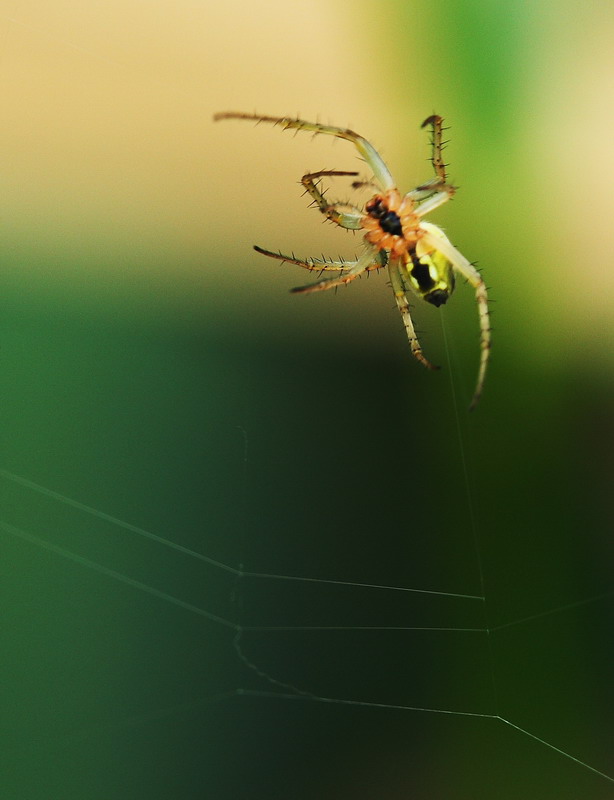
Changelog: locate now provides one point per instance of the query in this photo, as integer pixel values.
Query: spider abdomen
(430, 274)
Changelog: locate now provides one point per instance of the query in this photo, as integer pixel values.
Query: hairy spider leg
(437, 191)
(366, 150)
(367, 260)
(441, 196)
(436, 123)
(399, 289)
(468, 271)
(331, 211)
(324, 265)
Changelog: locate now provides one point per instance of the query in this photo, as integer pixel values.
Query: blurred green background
(167, 407)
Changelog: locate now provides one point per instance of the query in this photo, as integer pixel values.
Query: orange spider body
(391, 224)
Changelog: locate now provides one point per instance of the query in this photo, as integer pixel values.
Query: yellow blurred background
(110, 154)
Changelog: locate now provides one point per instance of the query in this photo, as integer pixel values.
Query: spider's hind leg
(399, 289)
(470, 273)
(332, 211)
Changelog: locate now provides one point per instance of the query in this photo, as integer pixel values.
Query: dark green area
(299, 461)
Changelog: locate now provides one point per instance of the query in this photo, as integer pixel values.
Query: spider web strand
(111, 573)
(36, 487)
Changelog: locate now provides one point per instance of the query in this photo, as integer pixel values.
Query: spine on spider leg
(436, 123)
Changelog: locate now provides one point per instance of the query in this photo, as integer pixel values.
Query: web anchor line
(479, 558)
(303, 695)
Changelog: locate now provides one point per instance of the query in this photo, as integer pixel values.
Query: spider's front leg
(367, 151)
(437, 191)
(332, 211)
(324, 264)
(436, 123)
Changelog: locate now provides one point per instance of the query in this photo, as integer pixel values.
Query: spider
(418, 255)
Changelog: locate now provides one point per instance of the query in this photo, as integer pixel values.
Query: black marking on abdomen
(422, 274)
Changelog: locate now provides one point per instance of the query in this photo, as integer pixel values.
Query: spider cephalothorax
(418, 255)
(391, 223)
